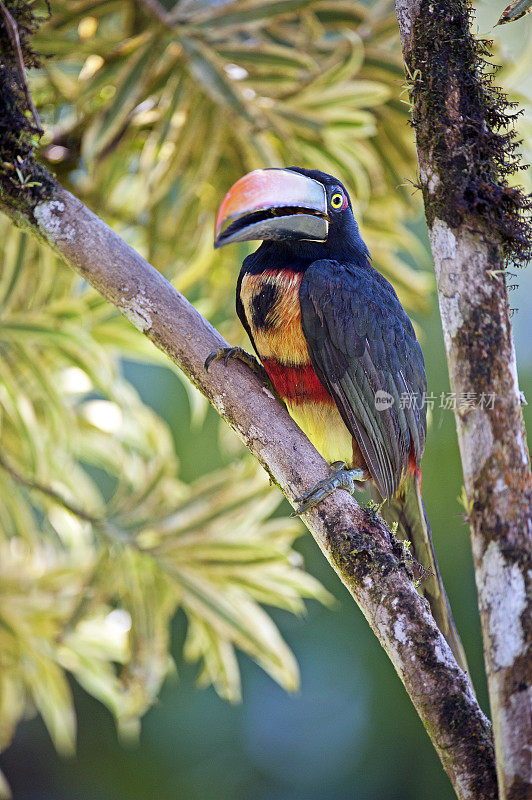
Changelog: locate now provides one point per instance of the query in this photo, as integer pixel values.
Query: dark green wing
(361, 342)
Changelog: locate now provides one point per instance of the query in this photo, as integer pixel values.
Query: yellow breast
(324, 426)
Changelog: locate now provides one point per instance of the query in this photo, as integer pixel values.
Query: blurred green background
(349, 732)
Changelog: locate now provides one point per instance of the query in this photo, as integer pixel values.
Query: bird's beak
(273, 204)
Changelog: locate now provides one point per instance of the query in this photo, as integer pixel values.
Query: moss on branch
(23, 181)
(465, 126)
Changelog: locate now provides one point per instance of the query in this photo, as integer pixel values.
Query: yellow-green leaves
(157, 122)
(208, 70)
(91, 573)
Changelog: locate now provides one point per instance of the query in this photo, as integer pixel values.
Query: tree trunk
(476, 225)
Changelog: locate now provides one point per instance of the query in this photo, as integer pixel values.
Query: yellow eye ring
(337, 201)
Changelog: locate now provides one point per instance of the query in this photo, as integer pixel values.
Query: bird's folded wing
(361, 342)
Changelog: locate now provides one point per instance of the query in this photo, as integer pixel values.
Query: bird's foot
(240, 354)
(341, 478)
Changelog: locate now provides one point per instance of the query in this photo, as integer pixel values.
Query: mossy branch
(478, 224)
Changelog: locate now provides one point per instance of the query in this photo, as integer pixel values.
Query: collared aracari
(337, 346)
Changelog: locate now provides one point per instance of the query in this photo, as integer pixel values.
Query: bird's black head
(304, 213)
(343, 234)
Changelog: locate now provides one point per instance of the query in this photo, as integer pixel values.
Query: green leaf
(5, 791)
(281, 58)
(51, 695)
(359, 93)
(219, 664)
(208, 71)
(131, 83)
(340, 13)
(250, 12)
(236, 618)
(12, 266)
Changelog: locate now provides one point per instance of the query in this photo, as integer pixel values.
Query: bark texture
(476, 223)
(354, 540)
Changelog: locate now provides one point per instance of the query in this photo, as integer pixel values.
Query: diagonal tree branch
(354, 541)
(477, 222)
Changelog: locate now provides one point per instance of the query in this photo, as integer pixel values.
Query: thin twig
(12, 30)
(101, 525)
(31, 483)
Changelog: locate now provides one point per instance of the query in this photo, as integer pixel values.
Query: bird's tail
(408, 510)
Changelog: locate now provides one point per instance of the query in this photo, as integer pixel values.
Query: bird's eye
(337, 201)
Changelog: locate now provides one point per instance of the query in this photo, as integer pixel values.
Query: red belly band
(298, 383)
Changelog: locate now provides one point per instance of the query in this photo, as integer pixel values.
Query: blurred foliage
(149, 118)
(150, 122)
(100, 541)
(515, 75)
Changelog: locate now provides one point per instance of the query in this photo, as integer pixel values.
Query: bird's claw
(341, 478)
(225, 353)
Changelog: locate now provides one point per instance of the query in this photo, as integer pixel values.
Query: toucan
(338, 348)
